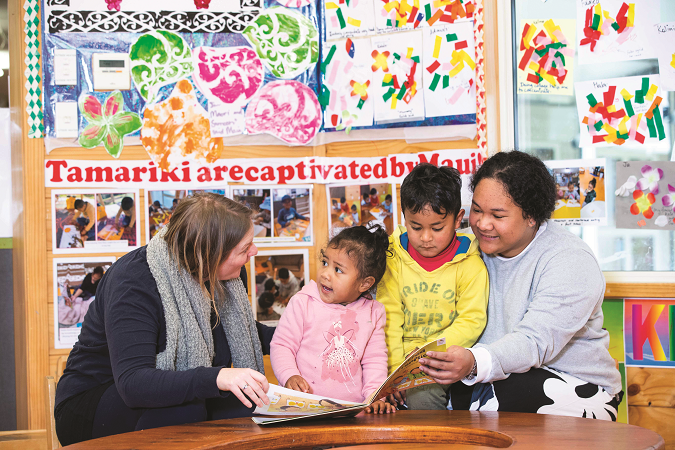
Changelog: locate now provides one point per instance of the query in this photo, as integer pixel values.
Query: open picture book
(287, 405)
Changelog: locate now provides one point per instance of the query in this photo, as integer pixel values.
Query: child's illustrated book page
(296, 405)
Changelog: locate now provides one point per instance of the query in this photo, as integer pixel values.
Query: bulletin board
(99, 163)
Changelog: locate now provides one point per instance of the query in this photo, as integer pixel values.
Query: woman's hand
(380, 407)
(244, 383)
(297, 383)
(449, 366)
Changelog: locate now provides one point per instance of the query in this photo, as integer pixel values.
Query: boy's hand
(397, 398)
(380, 407)
(449, 366)
(297, 383)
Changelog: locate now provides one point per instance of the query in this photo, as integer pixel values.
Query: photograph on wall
(580, 191)
(647, 332)
(95, 221)
(75, 282)
(645, 195)
(292, 215)
(278, 276)
(353, 204)
(258, 199)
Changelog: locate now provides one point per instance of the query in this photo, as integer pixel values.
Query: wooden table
(454, 429)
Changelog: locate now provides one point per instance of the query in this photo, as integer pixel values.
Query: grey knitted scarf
(187, 311)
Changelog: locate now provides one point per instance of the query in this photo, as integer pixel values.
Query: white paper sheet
(664, 40)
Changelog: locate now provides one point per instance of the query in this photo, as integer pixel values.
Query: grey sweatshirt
(545, 309)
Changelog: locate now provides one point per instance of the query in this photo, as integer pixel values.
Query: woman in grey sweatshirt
(544, 349)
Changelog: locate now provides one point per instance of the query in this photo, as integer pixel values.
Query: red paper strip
(460, 45)
(432, 68)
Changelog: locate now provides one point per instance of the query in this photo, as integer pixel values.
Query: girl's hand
(449, 366)
(297, 383)
(244, 383)
(380, 407)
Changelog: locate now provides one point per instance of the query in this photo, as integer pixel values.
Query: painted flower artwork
(650, 179)
(669, 198)
(108, 123)
(643, 204)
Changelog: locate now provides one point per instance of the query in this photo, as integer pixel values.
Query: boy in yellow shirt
(436, 284)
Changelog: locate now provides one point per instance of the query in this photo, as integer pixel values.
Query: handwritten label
(225, 120)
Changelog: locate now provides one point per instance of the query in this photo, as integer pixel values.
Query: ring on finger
(245, 386)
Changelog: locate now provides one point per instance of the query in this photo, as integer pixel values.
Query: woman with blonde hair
(171, 337)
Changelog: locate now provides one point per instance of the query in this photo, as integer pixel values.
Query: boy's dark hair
(367, 246)
(592, 182)
(525, 179)
(365, 196)
(266, 300)
(270, 284)
(79, 203)
(127, 203)
(571, 183)
(388, 197)
(373, 191)
(283, 273)
(354, 206)
(175, 200)
(98, 270)
(342, 199)
(286, 198)
(157, 204)
(440, 188)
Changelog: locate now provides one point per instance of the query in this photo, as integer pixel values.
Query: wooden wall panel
(660, 420)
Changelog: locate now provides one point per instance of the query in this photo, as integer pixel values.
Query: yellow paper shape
(410, 52)
(388, 6)
(550, 78)
(637, 125)
(611, 108)
(534, 66)
(529, 35)
(551, 28)
(353, 22)
(672, 63)
(437, 47)
(457, 69)
(625, 94)
(467, 59)
(608, 128)
(622, 126)
(331, 5)
(631, 15)
(393, 102)
(650, 93)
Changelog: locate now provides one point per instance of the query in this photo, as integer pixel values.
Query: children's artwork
(292, 215)
(75, 281)
(392, 15)
(157, 59)
(612, 311)
(397, 77)
(648, 332)
(178, 129)
(228, 75)
(615, 30)
(645, 195)
(546, 57)
(449, 70)
(288, 110)
(352, 204)
(258, 200)
(349, 18)
(664, 40)
(347, 83)
(108, 123)
(277, 275)
(580, 191)
(620, 110)
(286, 41)
(94, 221)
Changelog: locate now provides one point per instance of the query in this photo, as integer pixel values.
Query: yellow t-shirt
(449, 302)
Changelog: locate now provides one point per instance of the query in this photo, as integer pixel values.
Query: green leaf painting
(286, 41)
(159, 58)
(108, 123)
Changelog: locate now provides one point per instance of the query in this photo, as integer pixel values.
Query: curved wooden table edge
(489, 429)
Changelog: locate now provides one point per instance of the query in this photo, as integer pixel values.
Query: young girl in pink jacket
(330, 340)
